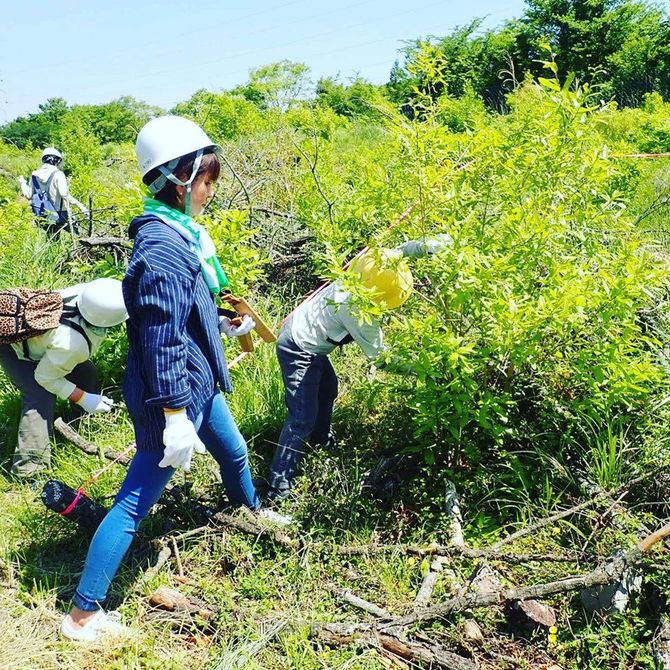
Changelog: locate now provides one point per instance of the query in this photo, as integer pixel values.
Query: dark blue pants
(310, 386)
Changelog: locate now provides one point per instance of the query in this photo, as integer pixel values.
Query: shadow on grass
(50, 554)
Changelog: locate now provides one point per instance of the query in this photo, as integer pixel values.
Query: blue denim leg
(327, 395)
(301, 372)
(219, 433)
(140, 490)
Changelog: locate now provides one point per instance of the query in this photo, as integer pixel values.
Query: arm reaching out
(426, 246)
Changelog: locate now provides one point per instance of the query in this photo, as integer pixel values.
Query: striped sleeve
(163, 302)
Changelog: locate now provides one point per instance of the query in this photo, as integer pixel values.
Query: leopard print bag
(26, 312)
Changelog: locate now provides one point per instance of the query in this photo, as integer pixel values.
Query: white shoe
(275, 518)
(103, 624)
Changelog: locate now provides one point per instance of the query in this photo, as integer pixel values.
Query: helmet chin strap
(167, 172)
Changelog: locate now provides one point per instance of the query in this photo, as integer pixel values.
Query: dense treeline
(622, 47)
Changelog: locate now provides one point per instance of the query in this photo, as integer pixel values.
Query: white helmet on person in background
(52, 155)
(101, 303)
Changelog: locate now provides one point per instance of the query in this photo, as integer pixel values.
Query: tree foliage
(623, 45)
(116, 121)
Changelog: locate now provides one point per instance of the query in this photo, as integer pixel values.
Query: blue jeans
(310, 385)
(142, 488)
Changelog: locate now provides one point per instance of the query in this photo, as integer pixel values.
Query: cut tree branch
(465, 552)
(73, 436)
(425, 652)
(606, 574)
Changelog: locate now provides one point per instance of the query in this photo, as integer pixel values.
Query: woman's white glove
(94, 403)
(227, 327)
(181, 440)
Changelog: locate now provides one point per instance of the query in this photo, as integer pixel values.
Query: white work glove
(428, 246)
(435, 244)
(181, 440)
(227, 328)
(22, 181)
(94, 403)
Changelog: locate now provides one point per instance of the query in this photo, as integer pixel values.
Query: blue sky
(161, 51)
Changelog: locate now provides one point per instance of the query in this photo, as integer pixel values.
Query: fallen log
(87, 447)
(173, 601)
(425, 652)
(428, 584)
(347, 596)
(252, 527)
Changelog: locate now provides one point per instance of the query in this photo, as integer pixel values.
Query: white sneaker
(103, 624)
(275, 518)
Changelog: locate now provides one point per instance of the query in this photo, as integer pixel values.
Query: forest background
(535, 348)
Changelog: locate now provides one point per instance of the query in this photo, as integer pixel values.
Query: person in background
(176, 362)
(323, 322)
(49, 194)
(56, 364)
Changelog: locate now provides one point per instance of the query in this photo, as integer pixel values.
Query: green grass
(255, 585)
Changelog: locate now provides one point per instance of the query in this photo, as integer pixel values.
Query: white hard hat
(166, 138)
(52, 151)
(101, 303)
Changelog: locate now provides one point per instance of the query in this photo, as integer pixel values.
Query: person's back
(53, 184)
(327, 320)
(59, 350)
(48, 193)
(56, 363)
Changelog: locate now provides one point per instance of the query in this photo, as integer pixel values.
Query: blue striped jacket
(175, 353)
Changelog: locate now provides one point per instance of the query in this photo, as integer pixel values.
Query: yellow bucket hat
(389, 277)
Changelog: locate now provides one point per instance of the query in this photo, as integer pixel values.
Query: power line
(251, 52)
(145, 45)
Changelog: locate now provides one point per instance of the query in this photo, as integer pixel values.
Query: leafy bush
(529, 321)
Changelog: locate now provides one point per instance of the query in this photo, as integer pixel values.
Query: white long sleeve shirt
(60, 350)
(326, 319)
(59, 192)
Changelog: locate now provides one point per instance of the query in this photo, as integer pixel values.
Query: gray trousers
(310, 385)
(33, 448)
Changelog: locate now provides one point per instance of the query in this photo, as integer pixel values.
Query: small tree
(278, 85)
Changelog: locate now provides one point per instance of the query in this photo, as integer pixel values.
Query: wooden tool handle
(648, 542)
(246, 342)
(242, 307)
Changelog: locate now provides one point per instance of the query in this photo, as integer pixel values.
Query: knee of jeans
(239, 451)
(136, 513)
(302, 427)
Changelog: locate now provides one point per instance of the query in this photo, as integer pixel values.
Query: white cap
(101, 303)
(52, 151)
(167, 138)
